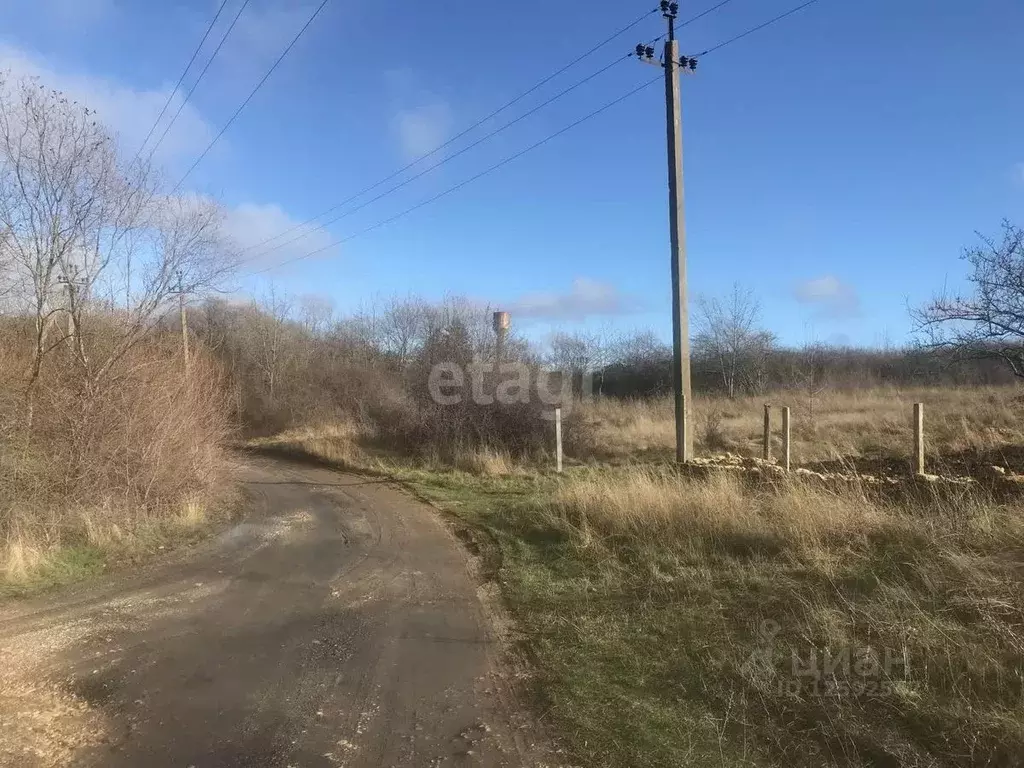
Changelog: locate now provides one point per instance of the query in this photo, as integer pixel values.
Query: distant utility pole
(183, 315)
(672, 63)
(72, 285)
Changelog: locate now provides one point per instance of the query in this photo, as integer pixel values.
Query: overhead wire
(701, 15)
(467, 181)
(459, 135)
(181, 79)
(759, 27)
(199, 79)
(534, 146)
(507, 105)
(447, 159)
(254, 91)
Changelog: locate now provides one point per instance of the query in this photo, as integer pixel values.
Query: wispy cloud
(127, 111)
(831, 298)
(74, 12)
(423, 129)
(585, 298)
(260, 35)
(421, 120)
(250, 224)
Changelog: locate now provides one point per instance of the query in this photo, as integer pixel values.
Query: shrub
(101, 461)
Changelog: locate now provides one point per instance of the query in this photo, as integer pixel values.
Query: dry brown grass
(666, 613)
(648, 504)
(985, 423)
(336, 442)
(486, 461)
(351, 445)
(867, 431)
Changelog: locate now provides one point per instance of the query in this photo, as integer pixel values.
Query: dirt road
(337, 625)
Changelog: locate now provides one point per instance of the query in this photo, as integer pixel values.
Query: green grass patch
(61, 567)
(679, 650)
(83, 560)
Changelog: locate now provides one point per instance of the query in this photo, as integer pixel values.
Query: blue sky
(836, 163)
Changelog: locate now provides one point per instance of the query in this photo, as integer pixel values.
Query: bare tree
(811, 370)
(575, 354)
(640, 349)
(315, 313)
(730, 339)
(990, 321)
(403, 326)
(88, 239)
(270, 319)
(473, 316)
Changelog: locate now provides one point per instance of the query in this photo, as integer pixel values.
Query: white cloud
(423, 129)
(586, 298)
(72, 12)
(249, 225)
(421, 121)
(831, 297)
(269, 28)
(130, 112)
(125, 110)
(258, 38)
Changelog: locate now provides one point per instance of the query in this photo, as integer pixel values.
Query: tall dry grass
(99, 466)
(702, 592)
(986, 423)
(658, 507)
(355, 445)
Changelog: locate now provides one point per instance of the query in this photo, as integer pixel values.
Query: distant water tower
(502, 322)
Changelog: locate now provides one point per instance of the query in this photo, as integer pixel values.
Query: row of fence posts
(784, 459)
(766, 452)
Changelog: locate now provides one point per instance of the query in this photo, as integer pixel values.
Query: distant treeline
(816, 368)
(291, 360)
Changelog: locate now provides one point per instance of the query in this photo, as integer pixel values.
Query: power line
(248, 98)
(692, 19)
(437, 165)
(181, 79)
(199, 79)
(759, 27)
(459, 135)
(699, 16)
(468, 181)
(509, 159)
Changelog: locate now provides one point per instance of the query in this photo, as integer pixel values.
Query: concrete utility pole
(672, 64)
(71, 285)
(183, 315)
(677, 234)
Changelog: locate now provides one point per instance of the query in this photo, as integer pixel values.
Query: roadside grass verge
(664, 615)
(673, 621)
(93, 549)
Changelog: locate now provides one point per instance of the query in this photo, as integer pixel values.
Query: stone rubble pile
(769, 469)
